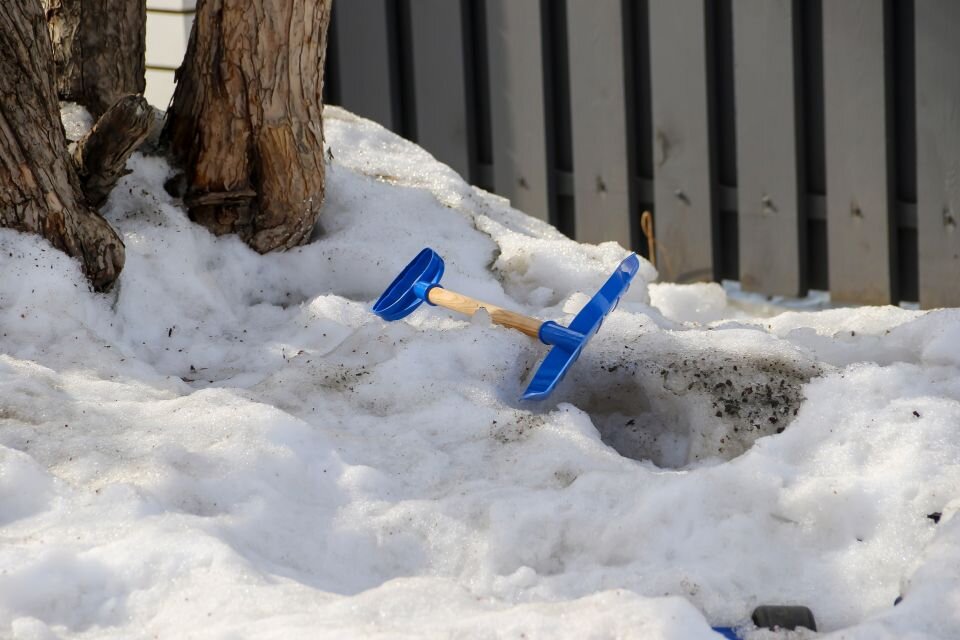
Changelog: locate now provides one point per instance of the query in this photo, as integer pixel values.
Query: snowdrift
(231, 445)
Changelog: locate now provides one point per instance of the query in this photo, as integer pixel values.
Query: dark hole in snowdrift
(676, 409)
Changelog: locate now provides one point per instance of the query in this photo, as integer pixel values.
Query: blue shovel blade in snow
(569, 342)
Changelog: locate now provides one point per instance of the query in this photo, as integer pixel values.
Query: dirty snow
(231, 445)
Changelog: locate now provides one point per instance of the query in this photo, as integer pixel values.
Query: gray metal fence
(788, 144)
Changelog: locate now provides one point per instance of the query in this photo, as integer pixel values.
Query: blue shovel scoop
(419, 283)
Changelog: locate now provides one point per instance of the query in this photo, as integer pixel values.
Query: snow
(231, 445)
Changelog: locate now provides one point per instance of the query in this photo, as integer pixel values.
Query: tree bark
(98, 49)
(101, 155)
(245, 123)
(39, 189)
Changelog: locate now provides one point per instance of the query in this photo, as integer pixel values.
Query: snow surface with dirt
(231, 445)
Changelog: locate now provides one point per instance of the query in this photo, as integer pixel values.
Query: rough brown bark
(39, 189)
(245, 121)
(101, 156)
(98, 49)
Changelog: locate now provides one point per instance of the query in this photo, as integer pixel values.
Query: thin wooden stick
(646, 225)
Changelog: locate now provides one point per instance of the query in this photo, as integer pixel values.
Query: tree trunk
(39, 189)
(245, 121)
(98, 48)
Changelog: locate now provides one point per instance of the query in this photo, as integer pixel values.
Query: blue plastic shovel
(419, 283)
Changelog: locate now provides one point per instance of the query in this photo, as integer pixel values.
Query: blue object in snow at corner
(412, 288)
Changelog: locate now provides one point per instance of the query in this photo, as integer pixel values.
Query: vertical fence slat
(904, 150)
(769, 165)
(861, 226)
(440, 81)
(684, 200)
(938, 151)
(517, 107)
(363, 53)
(600, 127)
(814, 144)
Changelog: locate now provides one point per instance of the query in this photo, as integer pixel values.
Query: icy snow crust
(231, 445)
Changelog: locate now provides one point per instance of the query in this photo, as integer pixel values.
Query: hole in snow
(679, 408)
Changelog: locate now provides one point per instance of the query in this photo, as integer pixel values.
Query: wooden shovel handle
(462, 304)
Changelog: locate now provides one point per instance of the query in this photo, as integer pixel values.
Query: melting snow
(231, 445)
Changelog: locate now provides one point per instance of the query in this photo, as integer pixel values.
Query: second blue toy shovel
(419, 283)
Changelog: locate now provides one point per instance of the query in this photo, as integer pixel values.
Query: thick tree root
(101, 156)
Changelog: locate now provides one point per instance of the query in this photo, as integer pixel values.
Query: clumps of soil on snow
(677, 407)
(517, 429)
(339, 377)
(765, 397)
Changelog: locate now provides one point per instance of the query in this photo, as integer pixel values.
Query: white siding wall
(168, 30)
